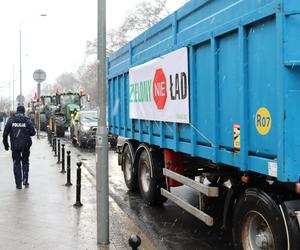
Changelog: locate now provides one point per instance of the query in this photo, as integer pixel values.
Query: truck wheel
(258, 223)
(60, 125)
(129, 172)
(149, 186)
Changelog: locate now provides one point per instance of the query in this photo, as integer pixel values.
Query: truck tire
(129, 171)
(43, 122)
(60, 125)
(149, 186)
(258, 223)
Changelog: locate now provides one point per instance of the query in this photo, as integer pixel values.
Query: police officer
(1, 119)
(20, 129)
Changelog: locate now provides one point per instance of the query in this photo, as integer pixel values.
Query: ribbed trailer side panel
(243, 78)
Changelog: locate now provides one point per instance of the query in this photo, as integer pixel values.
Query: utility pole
(101, 137)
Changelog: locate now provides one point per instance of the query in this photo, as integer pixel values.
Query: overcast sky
(55, 43)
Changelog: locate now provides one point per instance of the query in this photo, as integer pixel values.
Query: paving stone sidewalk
(43, 217)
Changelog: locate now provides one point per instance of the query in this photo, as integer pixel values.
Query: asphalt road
(169, 226)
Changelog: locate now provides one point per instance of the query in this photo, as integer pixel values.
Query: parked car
(83, 129)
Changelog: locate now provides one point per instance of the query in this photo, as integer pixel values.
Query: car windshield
(87, 117)
(68, 99)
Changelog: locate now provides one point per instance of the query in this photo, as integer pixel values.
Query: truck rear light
(245, 179)
(297, 187)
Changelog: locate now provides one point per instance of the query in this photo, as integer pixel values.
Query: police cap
(20, 109)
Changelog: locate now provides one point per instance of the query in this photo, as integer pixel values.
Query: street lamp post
(20, 37)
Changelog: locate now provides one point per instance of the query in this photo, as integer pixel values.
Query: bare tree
(116, 38)
(67, 81)
(4, 104)
(47, 89)
(146, 14)
(88, 80)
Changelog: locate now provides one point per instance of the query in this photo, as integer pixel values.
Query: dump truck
(209, 98)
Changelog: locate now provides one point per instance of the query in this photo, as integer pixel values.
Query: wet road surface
(169, 226)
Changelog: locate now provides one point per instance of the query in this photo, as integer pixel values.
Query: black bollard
(55, 146)
(134, 241)
(53, 142)
(48, 136)
(58, 151)
(63, 159)
(78, 186)
(68, 169)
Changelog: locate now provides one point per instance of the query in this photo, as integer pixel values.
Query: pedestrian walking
(20, 129)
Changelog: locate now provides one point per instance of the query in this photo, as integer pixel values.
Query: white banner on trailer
(159, 89)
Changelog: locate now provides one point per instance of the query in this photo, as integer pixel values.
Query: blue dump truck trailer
(209, 98)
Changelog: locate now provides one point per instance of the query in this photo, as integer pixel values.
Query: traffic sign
(39, 75)
(160, 89)
(20, 99)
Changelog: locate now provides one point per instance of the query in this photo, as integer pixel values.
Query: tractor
(32, 109)
(66, 104)
(48, 104)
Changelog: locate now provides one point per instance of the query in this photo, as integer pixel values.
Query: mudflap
(291, 211)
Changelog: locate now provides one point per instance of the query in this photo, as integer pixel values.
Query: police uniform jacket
(20, 129)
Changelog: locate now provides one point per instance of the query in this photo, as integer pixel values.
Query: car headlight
(85, 128)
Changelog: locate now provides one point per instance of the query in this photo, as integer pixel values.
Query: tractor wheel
(81, 144)
(74, 141)
(43, 122)
(31, 116)
(60, 125)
